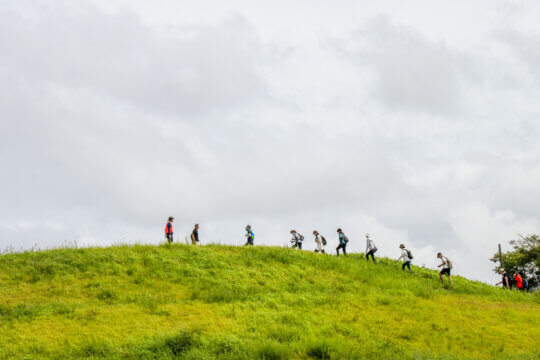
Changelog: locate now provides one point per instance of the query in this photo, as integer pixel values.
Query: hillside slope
(219, 302)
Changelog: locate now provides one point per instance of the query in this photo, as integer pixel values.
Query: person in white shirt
(406, 257)
(319, 242)
(446, 267)
(370, 248)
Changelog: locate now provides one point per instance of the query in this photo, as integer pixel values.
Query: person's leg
(441, 277)
(337, 249)
(345, 249)
(406, 264)
(451, 281)
(367, 256)
(300, 245)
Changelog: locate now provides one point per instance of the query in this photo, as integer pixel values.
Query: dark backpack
(323, 240)
(511, 282)
(409, 254)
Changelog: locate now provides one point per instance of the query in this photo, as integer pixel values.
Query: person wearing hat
(249, 235)
(296, 240)
(169, 230)
(406, 257)
(195, 235)
(370, 248)
(506, 280)
(320, 241)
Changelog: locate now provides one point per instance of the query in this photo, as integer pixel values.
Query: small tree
(525, 259)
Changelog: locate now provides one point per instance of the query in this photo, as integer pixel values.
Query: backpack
(323, 240)
(346, 239)
(449, 263)
(409, 254)
(301, 237)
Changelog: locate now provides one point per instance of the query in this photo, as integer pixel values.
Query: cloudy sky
(416, 122)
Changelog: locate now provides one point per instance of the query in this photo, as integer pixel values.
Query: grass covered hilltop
(222, 302)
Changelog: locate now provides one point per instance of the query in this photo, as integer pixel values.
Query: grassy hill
(220, 302)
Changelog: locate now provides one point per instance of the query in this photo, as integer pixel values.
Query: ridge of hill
(224, 302)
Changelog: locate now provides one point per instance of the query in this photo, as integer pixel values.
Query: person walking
(370, 248)
(320, 241)
(519, 281)
(406, 256)
(169, 230)
(446, 267)
(250, 236)
(195, 235)
(343, 240)
(296, 240)
(506, 281)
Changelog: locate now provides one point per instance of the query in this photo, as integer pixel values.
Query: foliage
(524, 258)
(221, 302)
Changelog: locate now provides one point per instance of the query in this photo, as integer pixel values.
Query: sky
(416, 122)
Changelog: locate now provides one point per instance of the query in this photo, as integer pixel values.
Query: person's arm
(507, 282)
(500, 282)
(192, 237)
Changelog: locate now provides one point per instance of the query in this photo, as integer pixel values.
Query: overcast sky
(415, 121)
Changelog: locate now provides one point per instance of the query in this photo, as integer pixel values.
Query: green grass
(220, 302)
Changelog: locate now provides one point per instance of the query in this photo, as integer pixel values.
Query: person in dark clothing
(506, 281)
(169, 230)
(342, 242)
(195, 235)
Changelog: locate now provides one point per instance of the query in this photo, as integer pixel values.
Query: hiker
(297, 240)
(371, 249)
(250, 236)
(406, 256)
(320, 241)
(519, 281)
(169, 230)
(343, 240)
(506, 280)
(446, 267)
(195, 235)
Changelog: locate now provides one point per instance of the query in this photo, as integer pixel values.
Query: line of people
(406, 255)
(297, 240)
